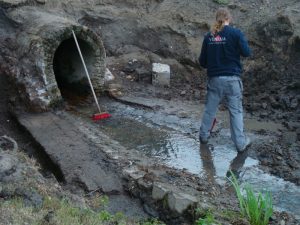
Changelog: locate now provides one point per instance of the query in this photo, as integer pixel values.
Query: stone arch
(41, 34)
(93, 52)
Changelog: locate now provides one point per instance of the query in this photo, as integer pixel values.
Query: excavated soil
(136, 34)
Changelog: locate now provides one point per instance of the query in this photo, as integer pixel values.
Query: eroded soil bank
(149, 147)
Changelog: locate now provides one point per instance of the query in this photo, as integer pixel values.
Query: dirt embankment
(138, 33)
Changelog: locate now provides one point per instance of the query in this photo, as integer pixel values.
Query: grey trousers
(229, 88)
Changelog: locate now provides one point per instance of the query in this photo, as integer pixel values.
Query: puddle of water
(286, 195)
(253, 124)
(183, 151)
(173, 142)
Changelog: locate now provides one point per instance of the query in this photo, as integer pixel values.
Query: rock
(31, 198)
(8, 165)
(143, 74)
(115, 93)
(183, 93)
(232, 6)
(279, 151)
(294, 103)
(292, 163)
(41, 1)
(274, 103)
(134, 173)
(161, 74)
(108, 76)
(243, 9)
(254, 106)
(197, 94)
(263, 114)
(179, 202)
(150, 211)
(183, 114)
(13, 3)
(49, 217)
(7, 143)
(285, 101)
(114, 90)
(296, 173)
(204, 205)
(145, 185)
(159, 191)
(131, 66)
(115, 86)
(264, 105)
(289, 138)
(292, 126)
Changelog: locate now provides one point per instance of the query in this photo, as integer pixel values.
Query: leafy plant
(99, 201)
(152, 222)
(258, 209)
(208, 219)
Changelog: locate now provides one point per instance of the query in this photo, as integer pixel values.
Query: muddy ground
(142, 128)
(138, 33)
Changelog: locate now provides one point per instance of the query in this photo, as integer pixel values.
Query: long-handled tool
(213, 125)
(101, 115)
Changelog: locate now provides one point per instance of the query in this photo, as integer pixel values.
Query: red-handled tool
(213, 125)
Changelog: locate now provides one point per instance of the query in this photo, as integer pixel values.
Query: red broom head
(100, 116)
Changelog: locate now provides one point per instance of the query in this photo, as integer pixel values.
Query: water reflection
(181, 151)
(237, 164)
(209, 170)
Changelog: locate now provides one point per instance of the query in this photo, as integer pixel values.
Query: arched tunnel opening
(69, 71)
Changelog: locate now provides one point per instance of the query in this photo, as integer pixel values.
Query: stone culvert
(47, 60)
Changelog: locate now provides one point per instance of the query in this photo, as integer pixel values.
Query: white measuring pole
(86, 71)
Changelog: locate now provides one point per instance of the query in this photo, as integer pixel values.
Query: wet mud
(173, 141)
(165, 130)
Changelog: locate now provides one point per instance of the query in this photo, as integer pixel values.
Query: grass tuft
(257, 209)
(62, 211)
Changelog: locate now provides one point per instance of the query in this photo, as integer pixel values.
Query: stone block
(159, 191)
(161, 74)
(7, 164)
(108, 76)
(179, 202)
(289, 138)
(134, 173)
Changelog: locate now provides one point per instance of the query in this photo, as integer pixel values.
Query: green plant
(222, 2)
(62, 211)
(152, 222)
(99, 201)
(105, 216)
(207, 218)
(258, 209)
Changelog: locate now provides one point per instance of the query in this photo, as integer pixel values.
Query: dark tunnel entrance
(69, 71)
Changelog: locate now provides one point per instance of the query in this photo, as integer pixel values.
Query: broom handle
(86, 71)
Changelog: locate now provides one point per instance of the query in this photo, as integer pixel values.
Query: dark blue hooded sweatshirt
(221, 52)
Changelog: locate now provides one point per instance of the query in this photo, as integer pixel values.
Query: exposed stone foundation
(49, 60)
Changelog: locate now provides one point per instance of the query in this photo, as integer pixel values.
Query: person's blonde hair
(222, 15)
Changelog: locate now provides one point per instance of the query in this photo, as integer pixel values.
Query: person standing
(220, 54)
